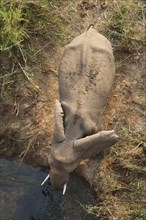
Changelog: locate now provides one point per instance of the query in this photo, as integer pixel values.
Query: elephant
(85, 75)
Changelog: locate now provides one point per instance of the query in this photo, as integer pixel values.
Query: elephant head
(67, 152)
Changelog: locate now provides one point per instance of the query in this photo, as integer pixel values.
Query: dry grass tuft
(121, 178)
(125, 24)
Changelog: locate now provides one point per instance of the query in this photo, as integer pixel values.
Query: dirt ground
(27, 118)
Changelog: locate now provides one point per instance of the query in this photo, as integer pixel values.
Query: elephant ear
(95, 143)
(58, 126)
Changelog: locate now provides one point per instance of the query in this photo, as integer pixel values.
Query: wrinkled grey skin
(86, 74)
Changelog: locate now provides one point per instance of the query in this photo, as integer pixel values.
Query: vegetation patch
(21, 22)
(126, 24)
(121, 178)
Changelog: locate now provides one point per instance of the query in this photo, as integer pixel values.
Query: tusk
(47, 177)
(64, 188)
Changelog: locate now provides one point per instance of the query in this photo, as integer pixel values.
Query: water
(22, 197)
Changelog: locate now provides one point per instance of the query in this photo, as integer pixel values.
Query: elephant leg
(83, 171)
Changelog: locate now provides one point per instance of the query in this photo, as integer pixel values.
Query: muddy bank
(26, 121)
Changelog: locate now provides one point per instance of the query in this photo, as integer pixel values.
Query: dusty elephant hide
(86, 74)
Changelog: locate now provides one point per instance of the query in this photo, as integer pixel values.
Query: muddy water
(22, 197)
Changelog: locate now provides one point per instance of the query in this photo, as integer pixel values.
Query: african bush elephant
(85, 74)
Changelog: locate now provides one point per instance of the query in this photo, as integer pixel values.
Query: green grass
(21, 22)
(126, 24)
(12, 32)
(140, 215)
